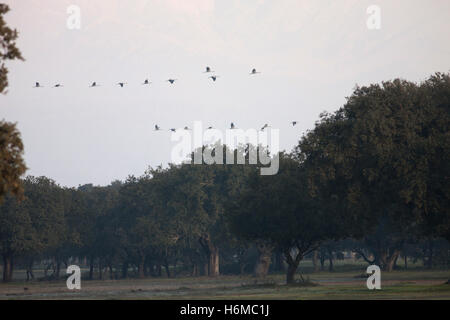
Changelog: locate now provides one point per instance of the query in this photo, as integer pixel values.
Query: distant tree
(33, 225)
(384, 156)
(278, 211)
(136, 225)
(88, 217)
(8, 49)
(183, 202)
(432, 194)
(223, 186)
(12, 166)
(44, 201)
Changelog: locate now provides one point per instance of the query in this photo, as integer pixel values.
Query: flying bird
(294, 123)
(265, 126)
(187, 128)
(232, 126)
(157, 128)
(214, 78)
(208, 69)
(58, 85)
(172, 80)
(209, 128)
(173, 130)
(254, 71)
(94, 84)
(146, 81)
(37, 85)
(121, 84)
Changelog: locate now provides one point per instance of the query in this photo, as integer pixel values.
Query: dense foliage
(12, 166)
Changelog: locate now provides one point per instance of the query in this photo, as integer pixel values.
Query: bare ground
(341, 285)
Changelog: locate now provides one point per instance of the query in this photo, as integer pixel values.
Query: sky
(311, 54)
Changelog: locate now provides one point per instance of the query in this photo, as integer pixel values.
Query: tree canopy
(12, 165)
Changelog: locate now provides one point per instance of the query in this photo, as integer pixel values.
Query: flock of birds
(213, 77)
(146, 82)
(232, 126)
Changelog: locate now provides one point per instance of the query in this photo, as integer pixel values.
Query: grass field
(346, 283)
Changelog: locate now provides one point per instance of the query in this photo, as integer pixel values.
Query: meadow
(347, 282)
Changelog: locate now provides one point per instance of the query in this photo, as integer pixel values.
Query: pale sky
(310, 54)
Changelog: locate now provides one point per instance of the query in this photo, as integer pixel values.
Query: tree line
(372, 177)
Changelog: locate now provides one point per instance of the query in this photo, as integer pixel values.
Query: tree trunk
(58, 269)
(242, 268)
(214, 263)
(146, 268)
(141, 267)
(166, 266)
(212, 254)
(8, 265)
(394, 266)
(111, 273)
(100, 270)
(264, 259)
(125, 270)
(315, 259)
(241, 258)
(30, 275)
(150, 268)
(174, 272)
(194, 270)
(330, 259)
(430, 256)
(290, 276)
(158, 270)
(279, 261)
(391, 260)
(46, 271)
(91, 269)
(292, 265)
(385, 258)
